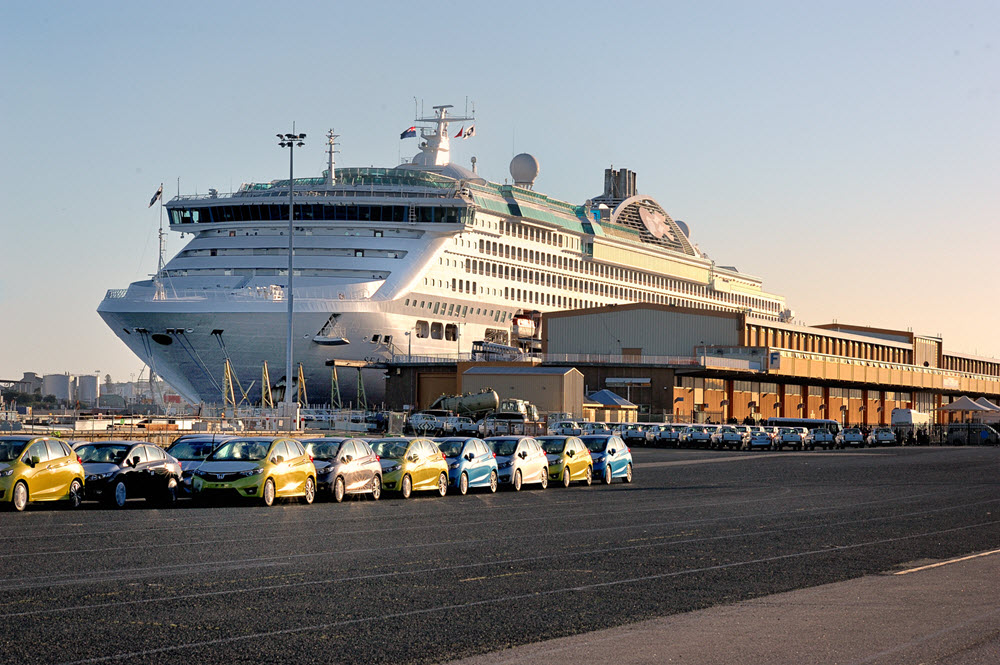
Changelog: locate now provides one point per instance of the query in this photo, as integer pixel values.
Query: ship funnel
(619, 185)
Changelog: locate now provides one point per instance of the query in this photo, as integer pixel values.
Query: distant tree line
(30, 399)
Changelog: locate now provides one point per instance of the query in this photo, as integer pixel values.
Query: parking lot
(432, 579)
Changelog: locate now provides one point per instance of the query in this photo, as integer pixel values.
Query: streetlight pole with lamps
(290, 141)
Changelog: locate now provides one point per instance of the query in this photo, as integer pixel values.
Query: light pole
(409, 345)
(290, 141)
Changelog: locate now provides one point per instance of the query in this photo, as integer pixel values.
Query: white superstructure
(421, 259)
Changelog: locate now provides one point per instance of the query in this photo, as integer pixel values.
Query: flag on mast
(471, 131)
(461, 133)
(409, 133)
(156, 197)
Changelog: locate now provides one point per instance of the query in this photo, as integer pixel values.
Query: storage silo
(87, 389)
(58, 385)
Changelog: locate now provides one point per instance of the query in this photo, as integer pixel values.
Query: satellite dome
(684, 227)
(524, 170)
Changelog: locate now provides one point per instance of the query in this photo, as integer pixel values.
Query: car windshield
(595, 444)
(503, 447)
(852, 431)
(248, 451)
(9, 450)
(322, 449)
(109, 454)
(552, 446)
(393, 449)
(451, 448)
(191, 450)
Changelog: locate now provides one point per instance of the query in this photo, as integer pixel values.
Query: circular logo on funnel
(655, 223)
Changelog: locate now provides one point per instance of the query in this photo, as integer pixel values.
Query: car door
(60, 466)
(135, 472)
(157, 469)
(280, 469)
(349, 451)
(39, 475)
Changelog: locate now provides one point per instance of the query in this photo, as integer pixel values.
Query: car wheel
(268, 494)
(628, 473)
(376, 488)
(75, 494)
(20, 496)
(545, 478)
(406, 487)
(607, 474)
(119, 495)
(463, 484)
(443, 484)
(517, 480)
(565, 478)
(589, 478)
(310, 491)
(493, 482)
(339, 489)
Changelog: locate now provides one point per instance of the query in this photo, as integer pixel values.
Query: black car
(191, 450)
(119, 470)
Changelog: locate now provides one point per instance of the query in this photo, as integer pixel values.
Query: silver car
(345, 466)
(520, 460)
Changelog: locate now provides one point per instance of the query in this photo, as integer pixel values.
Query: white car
(851, 437)
(458, 425)
(728, 436)
(669, 436)
(596, 428)
(566, 428)
(819, 437)
(636, 434)
(698, 436)
(882, 436)
(759, 438)
(791, 437)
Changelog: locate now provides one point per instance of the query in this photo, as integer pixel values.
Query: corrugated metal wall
(657, 332)
(549, 392)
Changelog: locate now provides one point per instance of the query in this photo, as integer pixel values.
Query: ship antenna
(157, 281)
(331, 177)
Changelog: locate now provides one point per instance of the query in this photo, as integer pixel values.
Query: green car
(264, 468)
(569, 460)
(411, 465)
(38, 469)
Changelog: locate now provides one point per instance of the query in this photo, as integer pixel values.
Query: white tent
(982, 401)
(963, 403)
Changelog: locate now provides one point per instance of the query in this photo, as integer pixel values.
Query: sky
(846, 152)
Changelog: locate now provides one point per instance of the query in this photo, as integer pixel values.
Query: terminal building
(695, 365)
(701, 365)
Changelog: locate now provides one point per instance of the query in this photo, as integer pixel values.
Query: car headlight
(598, 458)
(252, 472)
(504, 465)
(99, 476)
(454, 465)
(6, 472)
(201, 474)
(394, 467)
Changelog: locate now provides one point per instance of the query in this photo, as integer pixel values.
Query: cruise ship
(426, 258)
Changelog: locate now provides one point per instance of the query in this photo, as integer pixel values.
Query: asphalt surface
(434, 579)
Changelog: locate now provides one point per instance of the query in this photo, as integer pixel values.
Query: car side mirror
(412, 458)
(278, 459)
(611, 452)
(135, 461)
(34, 461)
(523, 454)
(470, 456)
(570, 453)
(346, 459)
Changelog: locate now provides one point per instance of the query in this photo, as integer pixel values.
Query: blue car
(612, 458)
(470, 463)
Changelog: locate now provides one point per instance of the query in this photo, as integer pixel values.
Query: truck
(469, 404)
(909, 418)
(514, 416)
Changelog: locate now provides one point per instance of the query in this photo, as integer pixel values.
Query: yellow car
(261, 467)
(569, 460)
(38, 469)
(411, 465)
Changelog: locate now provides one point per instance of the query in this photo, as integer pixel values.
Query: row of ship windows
(610, 272)
(299, 251)
(456, 310)
(276, 272)
(308, 212)
(559, 301)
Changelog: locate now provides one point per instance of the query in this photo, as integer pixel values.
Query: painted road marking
(945, 563)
